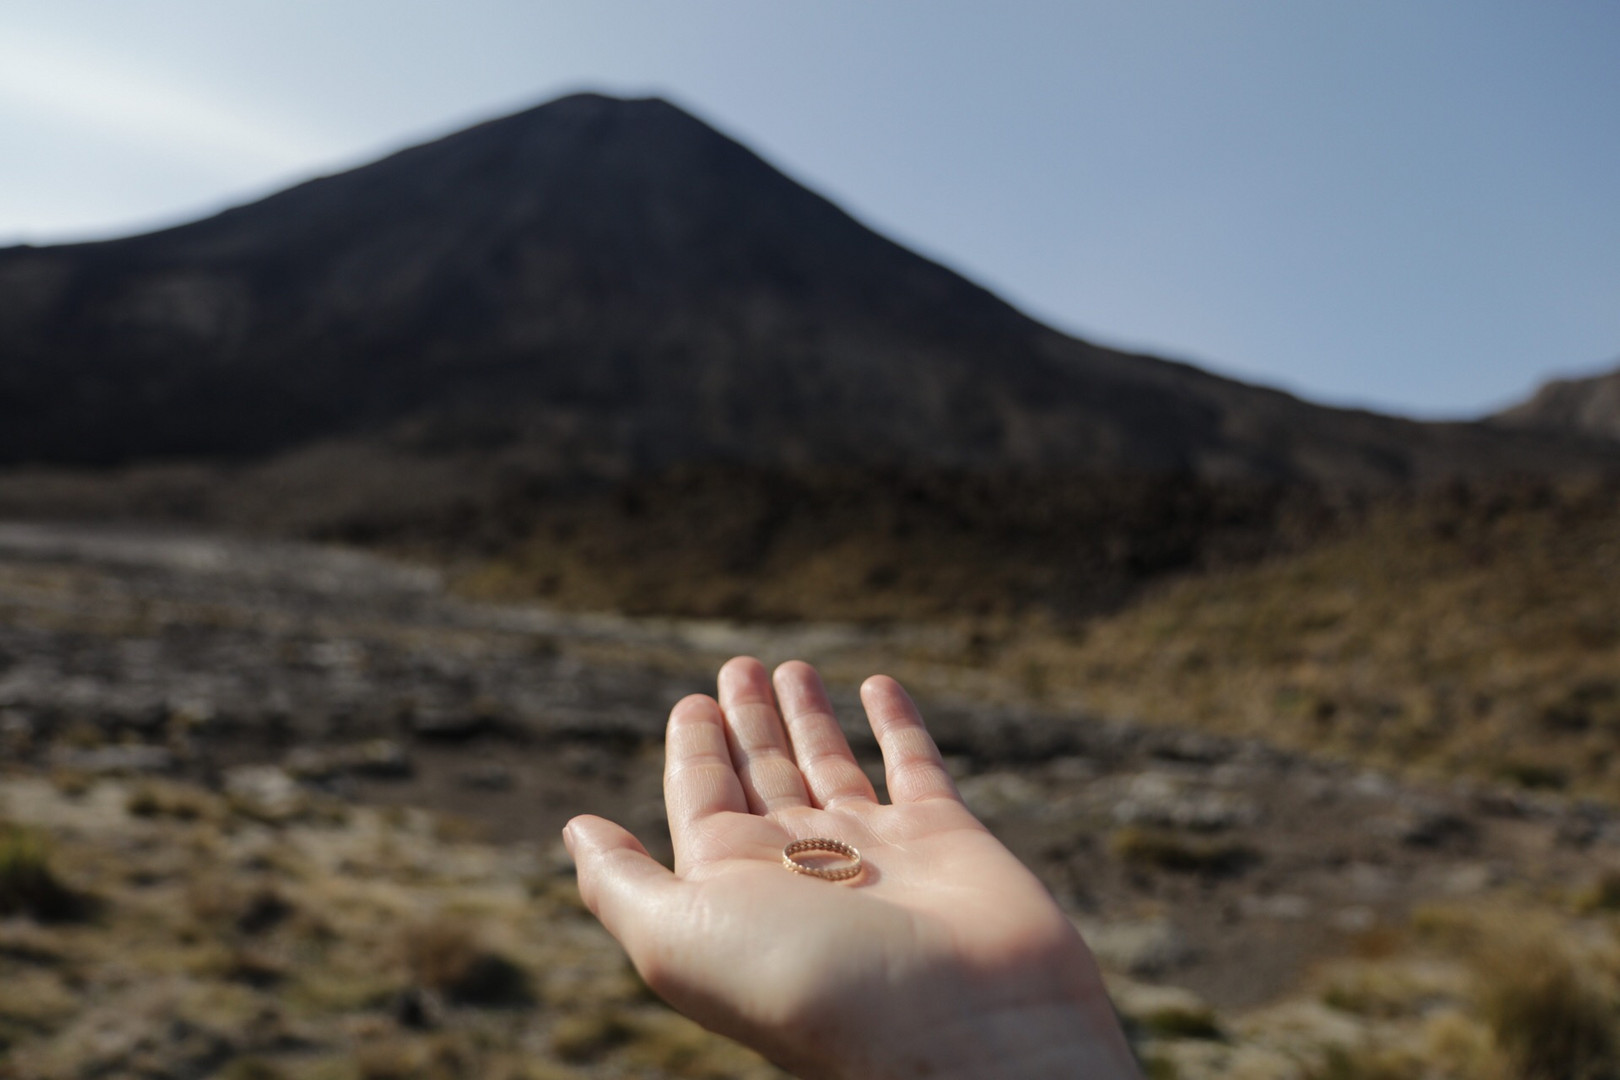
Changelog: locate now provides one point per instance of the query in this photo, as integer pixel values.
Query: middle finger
(825, 759)
(759, 744)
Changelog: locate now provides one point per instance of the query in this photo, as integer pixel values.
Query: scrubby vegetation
(29, 884)
(359, 946)
(1481, 991)
(1552, 1014)
(260, 921)
(1164, 850)
(445, 955)
(1468, 632)
(865, 544)
(1467, 629)
(367, 946)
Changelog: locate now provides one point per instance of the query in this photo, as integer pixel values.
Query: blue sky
(1409, 206)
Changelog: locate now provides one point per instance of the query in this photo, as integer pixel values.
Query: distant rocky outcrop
(605, 286)
(1589, 406)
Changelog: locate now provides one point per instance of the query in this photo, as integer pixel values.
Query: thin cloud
(44, 79)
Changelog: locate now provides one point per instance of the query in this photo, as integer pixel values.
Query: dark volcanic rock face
(611, 286)
(1588, 406)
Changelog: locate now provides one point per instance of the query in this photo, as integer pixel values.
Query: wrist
(1050, 1041)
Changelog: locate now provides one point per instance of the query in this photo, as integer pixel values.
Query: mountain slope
(1589, 406)
(1469, 632)
(609, 286)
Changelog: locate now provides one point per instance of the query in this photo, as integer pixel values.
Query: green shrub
(1179, 1022)
(1154, 849)
(1534, 775)
(153, 799)
(1159, 1067)
(28, 885)
(1601, 895)
(446, 955)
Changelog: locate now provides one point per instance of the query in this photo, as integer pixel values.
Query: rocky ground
(186, 704)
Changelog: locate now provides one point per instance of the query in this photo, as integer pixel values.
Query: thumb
(621, 884)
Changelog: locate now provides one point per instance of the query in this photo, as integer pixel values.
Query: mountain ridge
(1588, 405)
(611, 286)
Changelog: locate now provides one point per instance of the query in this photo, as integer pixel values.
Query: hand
(944, 958)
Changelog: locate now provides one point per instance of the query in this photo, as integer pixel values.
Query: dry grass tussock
(1554, 1012)
(366, 946)
(1468, 635)
(1471, 629)
(447, 956)
(355, 946)
(29, 884)
(1161, 849)
(1504, 989)
(862, 544)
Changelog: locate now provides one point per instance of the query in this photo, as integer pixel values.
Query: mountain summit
(612, 285)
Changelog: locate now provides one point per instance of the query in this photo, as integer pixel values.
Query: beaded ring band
(826, 873)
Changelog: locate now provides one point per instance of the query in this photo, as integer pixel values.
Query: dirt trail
(1223, 866)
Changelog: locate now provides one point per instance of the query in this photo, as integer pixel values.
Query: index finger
(699, 777)
(912, 764)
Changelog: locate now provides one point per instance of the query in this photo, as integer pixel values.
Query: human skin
(945, 958)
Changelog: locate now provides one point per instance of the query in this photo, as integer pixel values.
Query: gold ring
(826, 873)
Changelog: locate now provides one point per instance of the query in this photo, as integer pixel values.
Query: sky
(1413, 207)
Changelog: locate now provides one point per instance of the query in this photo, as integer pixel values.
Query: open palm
(944, 957)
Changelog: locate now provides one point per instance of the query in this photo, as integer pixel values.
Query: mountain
(1589, 406)
(613, 286)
